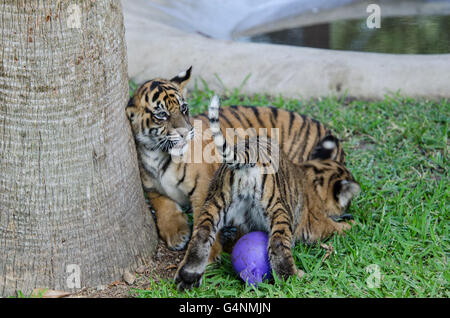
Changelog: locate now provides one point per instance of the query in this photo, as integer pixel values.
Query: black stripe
(195, 185)
(275, 114)
(272, 120)
(184, 175)
(264, 178)
(222, 197)
(281, 244)
(256, 113)
(222, 116)
(297, 136)
(276, 212)
(308, 224)
(289, 225)
(274, 111)
(205, 212)
(281, 187)
(313, 215)
(155, 96)
(236, 115)
(305, 144)
(202, 115)
(304, 239)
(316, 170)
(154, 85)
(245, 117)
(165, 99)
(291, 121)
(216, 204)
(319, 134)
(319, 181)
(206, 220)
(281, 232)
(333, 177)
(271, 196)
(166, 165)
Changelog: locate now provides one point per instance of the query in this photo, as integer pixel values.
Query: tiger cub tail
(221, 144)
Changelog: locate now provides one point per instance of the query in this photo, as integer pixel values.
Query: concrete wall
(157, 50)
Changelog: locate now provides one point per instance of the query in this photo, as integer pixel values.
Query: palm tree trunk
(72, 210)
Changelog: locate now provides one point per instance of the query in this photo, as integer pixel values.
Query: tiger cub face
(331, 189)
(334, 185)
(159, 114)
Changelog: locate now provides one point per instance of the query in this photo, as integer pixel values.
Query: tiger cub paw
(293, 272)
(187, 278)
(300, 273)
(285, 268)
(215, 253)
(176, 233)
(343, 227)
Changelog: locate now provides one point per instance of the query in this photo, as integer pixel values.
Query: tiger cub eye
(184, 108)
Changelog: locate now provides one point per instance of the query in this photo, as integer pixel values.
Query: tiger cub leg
(216, 248)
(172, 223)
(191, 269)
(198, 199)
(320, 227)
(329, 227)
(280, 246)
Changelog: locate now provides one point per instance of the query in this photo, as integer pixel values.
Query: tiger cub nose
(183, 132)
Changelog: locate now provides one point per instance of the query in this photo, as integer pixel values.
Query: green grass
(398, 150)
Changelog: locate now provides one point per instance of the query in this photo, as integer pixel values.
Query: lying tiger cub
(293, 202)
(163, 129)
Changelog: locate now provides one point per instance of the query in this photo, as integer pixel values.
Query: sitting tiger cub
(295, 202)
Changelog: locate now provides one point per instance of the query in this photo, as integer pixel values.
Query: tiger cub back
(293, 202)
(297, 134)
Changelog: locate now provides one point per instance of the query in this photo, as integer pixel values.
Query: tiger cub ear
(131, 110)
(345, 191)
(182, 78)
(326, 148)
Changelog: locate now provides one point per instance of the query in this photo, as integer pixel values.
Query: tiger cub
(294, 202)
(164, 130)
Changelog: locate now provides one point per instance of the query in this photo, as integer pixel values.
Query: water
(223, 19)
(400, 35)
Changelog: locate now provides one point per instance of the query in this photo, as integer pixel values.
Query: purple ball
(250, 259)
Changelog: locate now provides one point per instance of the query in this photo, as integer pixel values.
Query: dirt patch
(163, 265)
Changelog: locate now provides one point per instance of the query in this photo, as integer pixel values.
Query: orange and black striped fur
(163, 131)
(295, 202)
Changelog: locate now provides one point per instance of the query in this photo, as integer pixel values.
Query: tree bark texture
(71, 201)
